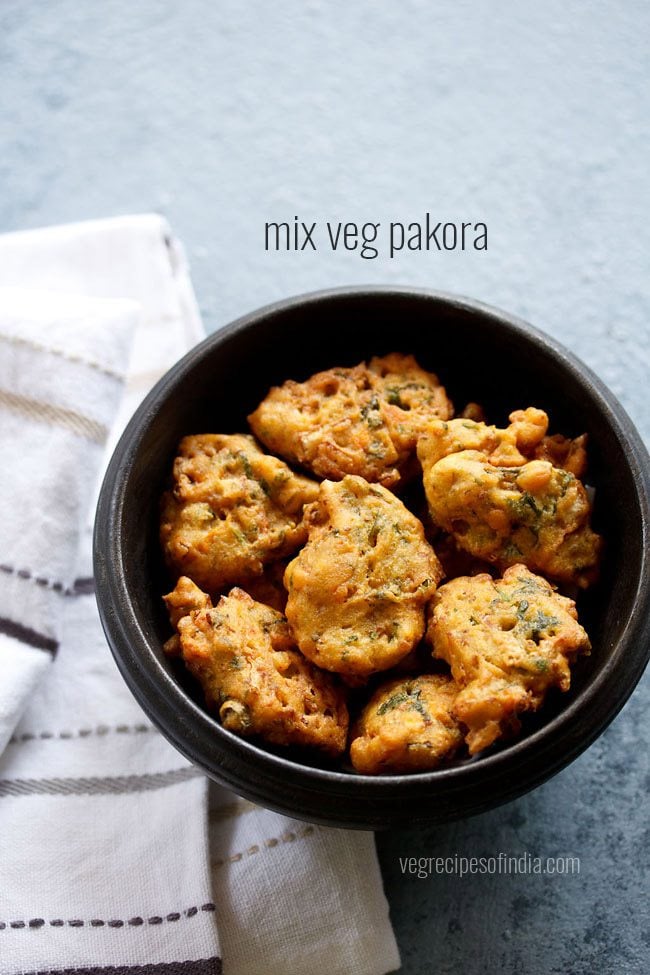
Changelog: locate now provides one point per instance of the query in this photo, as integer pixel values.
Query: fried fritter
(507, 642)
(571, 455)
(232, 509)
(363, 420)
(185, 598)
(536, 514)
(358, 588)
(252, 675)
(524, 439)
(269, 587)
(407, 726)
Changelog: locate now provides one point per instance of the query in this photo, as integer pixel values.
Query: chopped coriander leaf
(525, 507)
(543, 621)
(246, 464)
(370, 413)
(392, 702)
(410, 698)
(393, 396)
(521, 609)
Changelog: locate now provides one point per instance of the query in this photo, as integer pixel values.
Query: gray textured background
(532, 117)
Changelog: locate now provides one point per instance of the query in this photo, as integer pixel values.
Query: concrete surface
(533, 118)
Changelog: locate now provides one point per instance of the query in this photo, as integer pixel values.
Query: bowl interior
(477, 354)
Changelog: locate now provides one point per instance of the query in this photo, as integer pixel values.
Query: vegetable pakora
(524, 439)
(357, 573)
(231, 510)
(244, 656)
(507, 642)
(358, 588)
(363, 420)
(407, 726)
(536, 514)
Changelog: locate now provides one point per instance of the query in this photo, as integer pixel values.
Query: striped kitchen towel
(62, 364)
(109, 862)
(103, 844)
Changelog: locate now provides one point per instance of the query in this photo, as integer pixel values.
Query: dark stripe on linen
(108, 785)
(133, 922)
(80, 587)
(200, 966)
(28, 636)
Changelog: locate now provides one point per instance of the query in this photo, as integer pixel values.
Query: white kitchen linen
(295, 898)
(62, 363)
(105, 860)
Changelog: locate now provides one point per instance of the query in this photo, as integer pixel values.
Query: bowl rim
(155, 688)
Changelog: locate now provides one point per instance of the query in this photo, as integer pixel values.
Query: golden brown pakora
(245, 658)
(363, 420)
(536, 514)
(524, 439)
(507, 642)
(407, 726)
(231, 510)
(183, 599)
(358, 588)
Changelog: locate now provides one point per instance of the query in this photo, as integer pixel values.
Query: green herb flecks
(394, 701)
(370, 413)
(522, 608)
(239, 535)
(246, 464)
(512, 551)
(393, 396)
(409, 698)
(541, 625)
(375, 528)
(525, 508)
(544, 622)
(508, 474)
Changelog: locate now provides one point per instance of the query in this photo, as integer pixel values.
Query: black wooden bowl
(480, 354)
